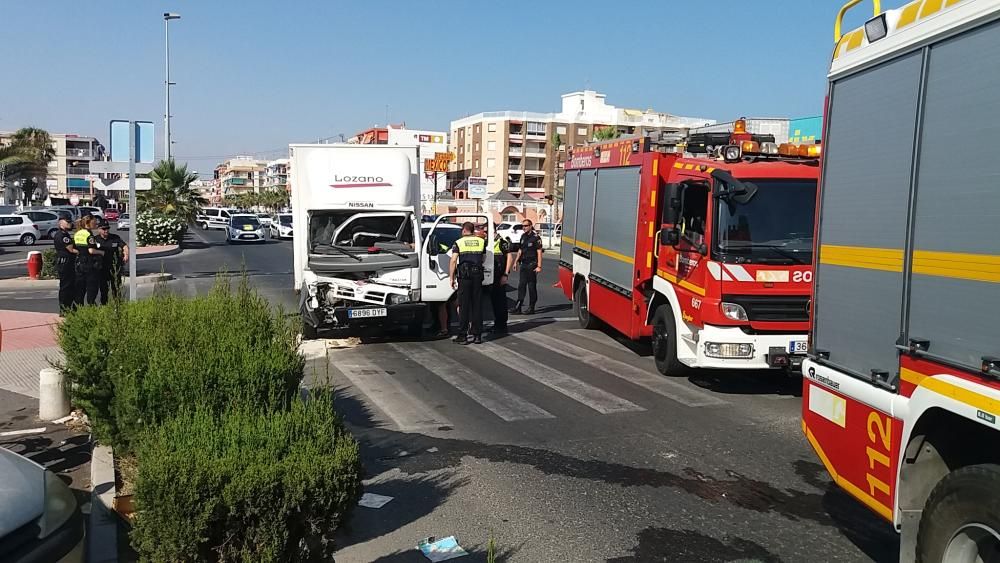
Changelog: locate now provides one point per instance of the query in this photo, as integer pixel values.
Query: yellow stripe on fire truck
(954, 265)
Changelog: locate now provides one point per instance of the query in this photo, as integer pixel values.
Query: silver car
(244, 228)
(46, 221)
(40, 519)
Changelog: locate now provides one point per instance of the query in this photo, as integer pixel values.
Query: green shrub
(49, 271)
(153, 228)
(245, 485)
(135, 364)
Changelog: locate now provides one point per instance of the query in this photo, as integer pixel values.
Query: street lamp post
(167, 16)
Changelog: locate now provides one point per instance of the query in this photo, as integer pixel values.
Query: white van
(214, 218)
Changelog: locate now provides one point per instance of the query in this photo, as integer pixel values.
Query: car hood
(22, 491)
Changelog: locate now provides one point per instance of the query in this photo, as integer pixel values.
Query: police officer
(529, 262)
(111, 254)
(66, 254)
(81, 240)
(502, 260)
(467, 265)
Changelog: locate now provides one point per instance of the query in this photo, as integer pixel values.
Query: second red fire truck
(711, 258)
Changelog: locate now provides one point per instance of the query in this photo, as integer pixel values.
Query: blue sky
(253, 76)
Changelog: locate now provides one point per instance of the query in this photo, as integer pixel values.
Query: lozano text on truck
(700, 242)
(364, 262)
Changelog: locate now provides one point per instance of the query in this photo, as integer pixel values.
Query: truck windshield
(362, 232)
(775, 226)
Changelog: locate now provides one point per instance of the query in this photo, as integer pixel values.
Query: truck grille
(781, 308)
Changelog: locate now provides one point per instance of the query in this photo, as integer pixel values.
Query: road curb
(102, 529)
(25, 283)
(172, 251)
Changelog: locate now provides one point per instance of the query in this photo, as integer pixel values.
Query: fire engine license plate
(798, 346)
(366, 313)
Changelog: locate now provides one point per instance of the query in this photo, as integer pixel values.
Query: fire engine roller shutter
(869, 149)
(569, 217)
(956, 268)
(617, 204)
(585, 212)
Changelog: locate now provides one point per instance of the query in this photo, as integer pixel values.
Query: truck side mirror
(432, 245)
(672, 202)
(670, 236)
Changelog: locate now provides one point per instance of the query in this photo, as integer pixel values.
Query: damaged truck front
(357, 265)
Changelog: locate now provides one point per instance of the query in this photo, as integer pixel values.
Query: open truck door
(435, 261)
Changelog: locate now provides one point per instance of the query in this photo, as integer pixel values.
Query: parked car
(214, 218)
(111, 214)
(511, 231)
(18, 229)
(73, 211)
(95, 211)
(244, 228)
(40, 519)
(124, 222)
(46, 221)
(264, 219)
(281, 226)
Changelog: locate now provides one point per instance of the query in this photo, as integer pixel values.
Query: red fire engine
(901, 393)
(705, 246)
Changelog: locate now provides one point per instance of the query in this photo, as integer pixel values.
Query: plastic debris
(441, 549)
(371, 500)
(432, 450)
(21, 432)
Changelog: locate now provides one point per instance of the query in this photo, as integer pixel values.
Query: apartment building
(523, 152)
(276, 175)
(240, 174)
(68, 173)
(208, 189)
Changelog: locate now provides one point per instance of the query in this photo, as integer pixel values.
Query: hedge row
(232, 466)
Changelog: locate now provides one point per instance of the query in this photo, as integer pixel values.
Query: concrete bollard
(53, 400)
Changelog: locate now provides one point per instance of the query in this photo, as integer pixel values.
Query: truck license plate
(798, 346)
(366, 313)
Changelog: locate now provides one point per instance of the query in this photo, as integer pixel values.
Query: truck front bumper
(396, 315)
(735, 349)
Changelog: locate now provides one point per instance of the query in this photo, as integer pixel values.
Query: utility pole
(167, 16)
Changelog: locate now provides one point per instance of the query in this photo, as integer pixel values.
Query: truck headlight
(734, 312)
(728, 350)
(396, 299)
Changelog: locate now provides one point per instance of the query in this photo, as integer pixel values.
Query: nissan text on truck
(710, 257)
(360, 262)
(901, 394)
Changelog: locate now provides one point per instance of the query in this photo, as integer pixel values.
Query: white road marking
(595, 398)
(22, 432)
(597, 336)
(498, 400)
(406, 411)
(14, 262)
(627, 372)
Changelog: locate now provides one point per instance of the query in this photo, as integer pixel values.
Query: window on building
(508, 218)
(491, 179)
(477, 147)
(491, 163)
(561, 129)
(492, 127)
(476, 164)
(491, 145)
(581, 131)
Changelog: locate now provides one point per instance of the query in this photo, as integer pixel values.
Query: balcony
(73, 152)
(81, 170)
(537, 152)
(516, 151)
(515, 168)
(534, 172)
(536, 135)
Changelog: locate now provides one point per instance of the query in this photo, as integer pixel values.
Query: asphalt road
(560, 444)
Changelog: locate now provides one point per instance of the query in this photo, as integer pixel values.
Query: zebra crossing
(400, 379)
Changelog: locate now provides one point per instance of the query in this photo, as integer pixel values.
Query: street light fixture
(167, 16)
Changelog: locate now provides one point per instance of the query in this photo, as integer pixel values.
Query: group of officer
(466, 274)
(89, 262)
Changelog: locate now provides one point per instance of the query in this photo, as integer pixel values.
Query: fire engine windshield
(775, 226)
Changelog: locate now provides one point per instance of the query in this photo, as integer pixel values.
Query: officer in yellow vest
(81, 240)
(466, 274)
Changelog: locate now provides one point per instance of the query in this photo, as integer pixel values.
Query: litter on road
(442, 549)
(372, 500)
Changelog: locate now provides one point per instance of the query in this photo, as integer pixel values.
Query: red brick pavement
(21, 330)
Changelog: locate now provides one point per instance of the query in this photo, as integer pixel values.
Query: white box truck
(361, 261)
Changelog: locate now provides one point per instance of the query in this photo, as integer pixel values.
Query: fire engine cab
(703, 244)
(901, 390)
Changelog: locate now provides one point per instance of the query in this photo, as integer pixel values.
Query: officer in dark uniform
(467, 265)
(108, 264)
(502, 260)
(66, 254)
(529, 265)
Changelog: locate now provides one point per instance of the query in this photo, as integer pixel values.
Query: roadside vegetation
(204, 393)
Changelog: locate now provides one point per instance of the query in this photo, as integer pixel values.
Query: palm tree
(606, 134)
(31, 151)
(171, 192)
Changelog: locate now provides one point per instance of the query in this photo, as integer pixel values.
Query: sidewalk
(27, 344)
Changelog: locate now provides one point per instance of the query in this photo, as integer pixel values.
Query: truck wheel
(665, 342)
(204, 226)
(309, 332)
(582, 308)
(961, 519)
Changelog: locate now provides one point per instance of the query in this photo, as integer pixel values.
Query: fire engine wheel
(665, 342)
(582, 307)
(961, 520)
(309, 332)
